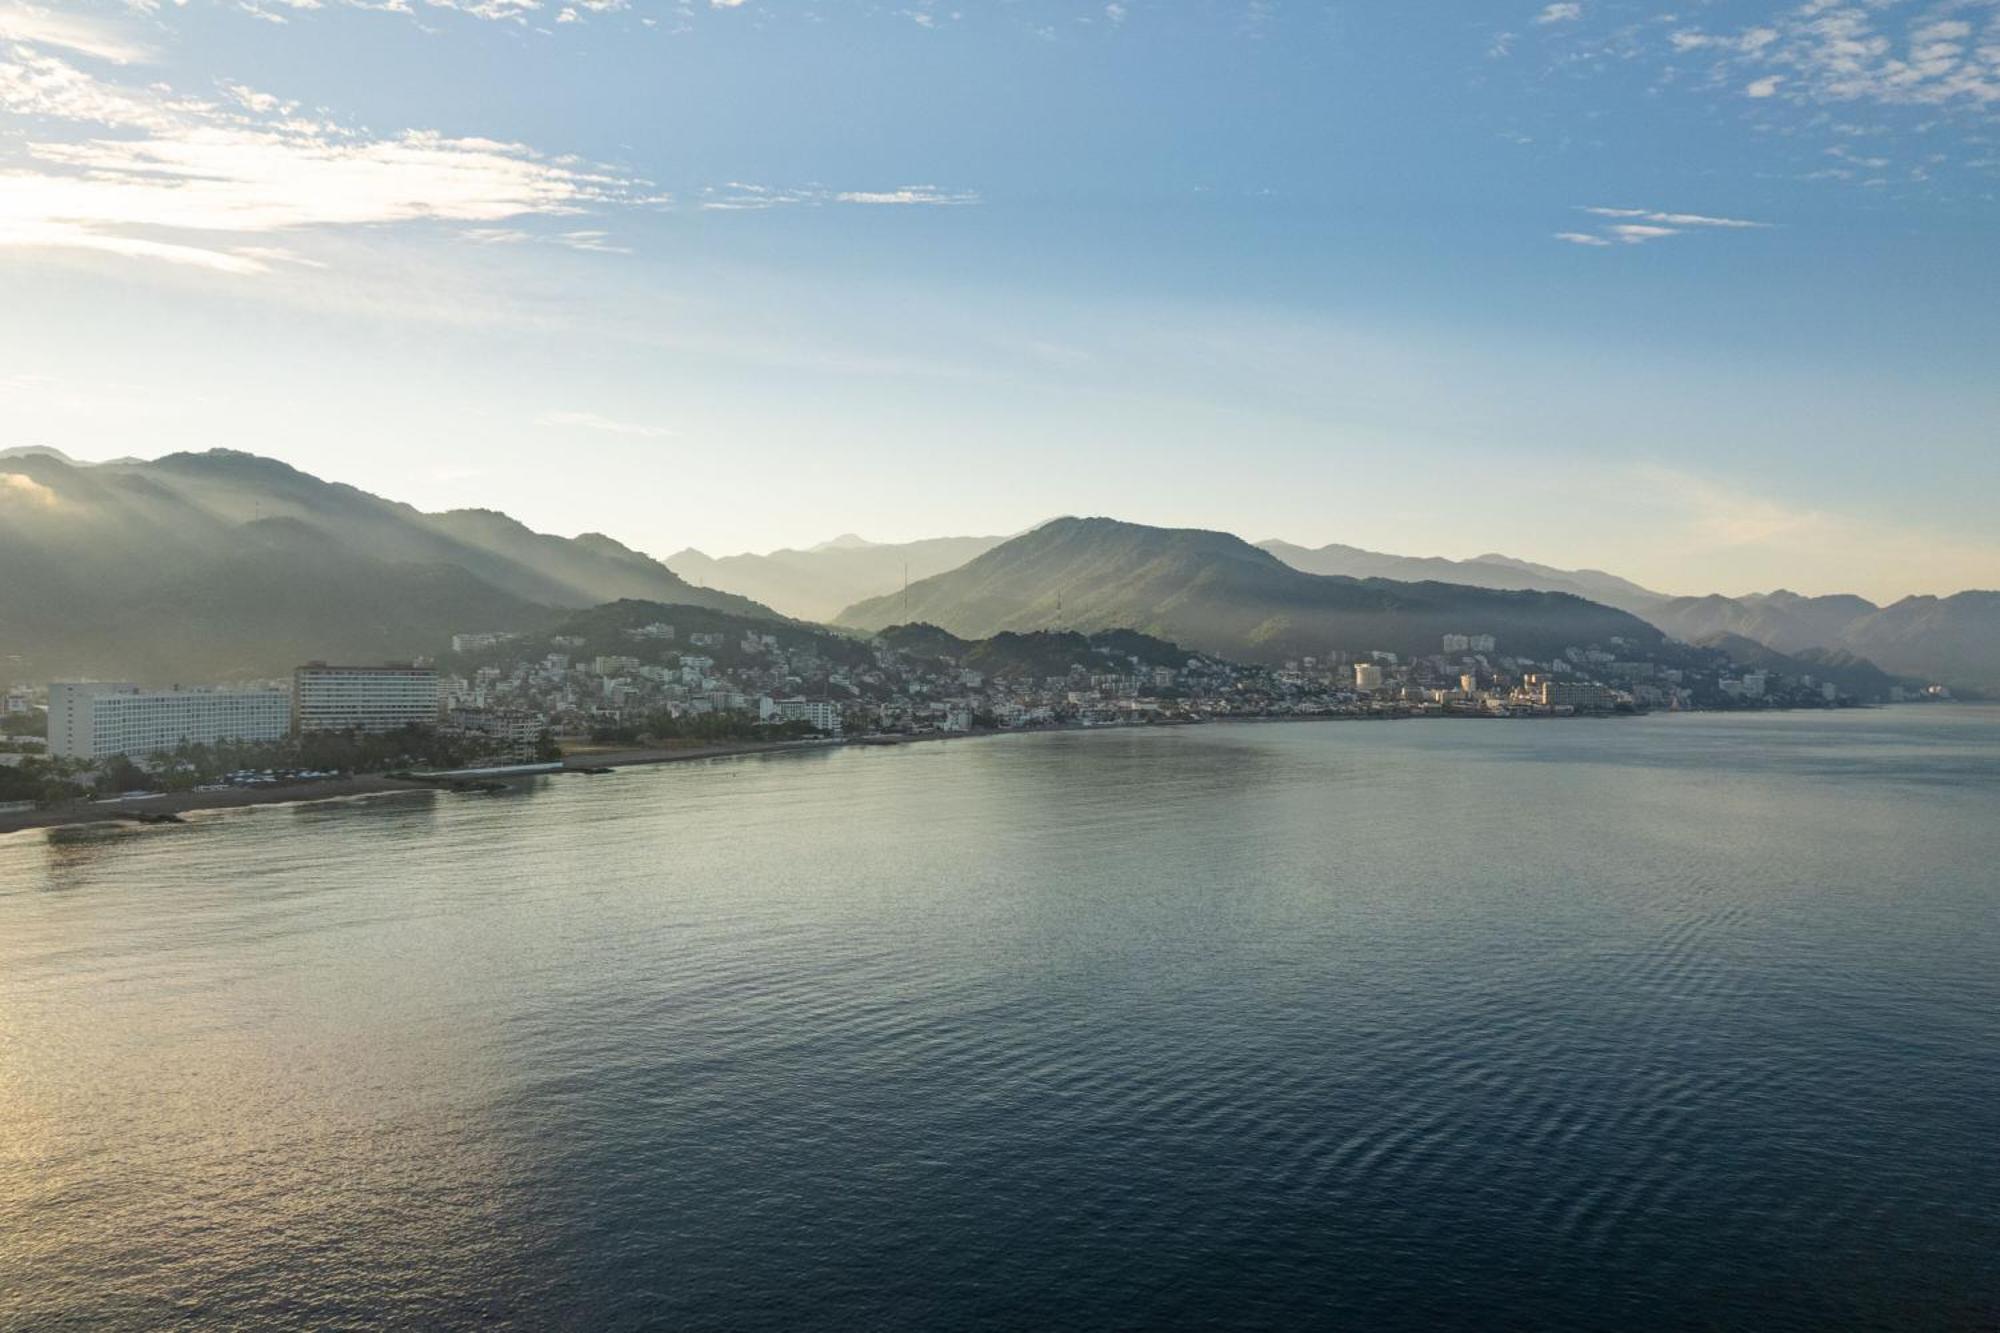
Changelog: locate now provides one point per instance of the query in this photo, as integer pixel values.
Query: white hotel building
(344, 698)
(94, 720)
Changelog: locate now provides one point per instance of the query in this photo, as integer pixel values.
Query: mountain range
(224, 565)
(1953, 640)
(1218, 593)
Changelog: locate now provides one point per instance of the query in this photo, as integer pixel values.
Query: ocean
(1678, 1022)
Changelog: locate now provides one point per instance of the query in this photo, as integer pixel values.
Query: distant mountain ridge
(1951, 640)
(223, 564)
(1954, 640)
(1485, 571)
(819, 582)
(1217, 593)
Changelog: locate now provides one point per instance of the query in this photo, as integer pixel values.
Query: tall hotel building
(93, 720)
(342, 698)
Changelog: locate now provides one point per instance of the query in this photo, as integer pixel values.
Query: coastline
(75, 813)
(81, 813)
(578, 763)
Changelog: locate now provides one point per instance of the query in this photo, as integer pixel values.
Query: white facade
(372, 699)
(823, 714)
(93, 720)
(1367, 676)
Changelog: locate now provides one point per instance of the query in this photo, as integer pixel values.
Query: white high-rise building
(95, 720)
(345, 698)
(823, 714)
(1367, 676)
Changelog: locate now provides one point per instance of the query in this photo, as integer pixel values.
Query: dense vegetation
(37, 780)
(723, 726)
(1039, 654)
(34, 723)
(194, 765)
(608, 631)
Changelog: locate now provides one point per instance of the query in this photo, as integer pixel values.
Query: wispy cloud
(1567, 12)
(908, 194)
(1671, 219)
(141, 171)
(1636, 226)
(604, 424)
(740, 196)
(81, 34)
(598, 241)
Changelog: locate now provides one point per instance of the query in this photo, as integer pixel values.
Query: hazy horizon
(1704, 299)
(843, 535)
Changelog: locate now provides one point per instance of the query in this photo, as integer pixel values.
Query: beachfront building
(820, 714)
(93, 720)
(361, 698)
(515, 732)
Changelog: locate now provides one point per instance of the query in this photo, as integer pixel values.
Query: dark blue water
(1676, 1023)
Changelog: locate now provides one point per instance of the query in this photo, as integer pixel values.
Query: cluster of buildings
(1468, 675)
(96, 720)
(511, 689)
(579, 685)
(571, 685)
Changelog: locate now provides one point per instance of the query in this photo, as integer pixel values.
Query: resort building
(359, 698)
(94, 720)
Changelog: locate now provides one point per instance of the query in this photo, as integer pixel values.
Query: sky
(1704, 292)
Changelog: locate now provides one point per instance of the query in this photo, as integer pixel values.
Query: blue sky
(1708, 294)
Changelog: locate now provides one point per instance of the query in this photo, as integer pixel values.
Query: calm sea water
(1667, 1023)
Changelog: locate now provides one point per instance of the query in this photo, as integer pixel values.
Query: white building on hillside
(822, 714)
(95, 720)
(373, 699)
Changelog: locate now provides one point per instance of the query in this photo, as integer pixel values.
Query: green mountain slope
(223, 565)
(1853, 676)
(1217, 593)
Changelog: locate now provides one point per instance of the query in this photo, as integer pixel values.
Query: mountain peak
(1217, 593)
(846, 541)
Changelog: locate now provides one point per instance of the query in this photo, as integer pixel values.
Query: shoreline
(580, 763)
(79, 813)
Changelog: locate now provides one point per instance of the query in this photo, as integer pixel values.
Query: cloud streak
(146, 173)
(1636, 226)
(38, 26)
(738, 196)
